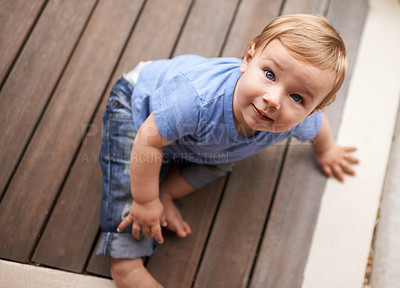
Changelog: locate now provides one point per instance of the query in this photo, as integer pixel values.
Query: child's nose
(273, 100)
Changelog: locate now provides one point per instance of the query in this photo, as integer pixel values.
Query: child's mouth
(260, 115)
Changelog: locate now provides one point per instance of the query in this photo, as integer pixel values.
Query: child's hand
(337, 161)
(146, 217)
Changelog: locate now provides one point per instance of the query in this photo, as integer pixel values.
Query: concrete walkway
(15, 275)
(342, 239)
(386, 265)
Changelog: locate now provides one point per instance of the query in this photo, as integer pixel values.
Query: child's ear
(251, 51)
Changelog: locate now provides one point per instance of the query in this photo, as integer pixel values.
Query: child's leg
(175, 186)
(130, 273)
(119, 134)
(181, 183)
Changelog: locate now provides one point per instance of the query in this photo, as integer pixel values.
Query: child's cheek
(247, 89)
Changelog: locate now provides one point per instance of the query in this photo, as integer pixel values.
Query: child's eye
(270, 75)
(297, 98)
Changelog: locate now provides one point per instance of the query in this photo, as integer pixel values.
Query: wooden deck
(58, 62)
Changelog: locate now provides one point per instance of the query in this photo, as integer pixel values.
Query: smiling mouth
(260, 114)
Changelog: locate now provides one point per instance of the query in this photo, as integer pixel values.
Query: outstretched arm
(334, 160)
(147, 212)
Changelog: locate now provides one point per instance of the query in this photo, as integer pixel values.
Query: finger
(350, 149)
(136, 231)
(348, 169)
(146, 231)
(328, 171)
(338, 172)
(156, 231)
(125, 223)
(351, 159)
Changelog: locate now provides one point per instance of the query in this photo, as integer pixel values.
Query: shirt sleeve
(176, 108)
(309, 128)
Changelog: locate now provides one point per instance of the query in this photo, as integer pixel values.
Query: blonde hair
(310, 39)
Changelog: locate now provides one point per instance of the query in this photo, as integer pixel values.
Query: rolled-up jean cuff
(124, 246)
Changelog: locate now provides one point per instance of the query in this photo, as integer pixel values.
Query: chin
(272, 128)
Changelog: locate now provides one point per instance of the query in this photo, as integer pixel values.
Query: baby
(173, 126)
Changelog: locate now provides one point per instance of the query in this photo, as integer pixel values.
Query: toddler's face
(276, 91)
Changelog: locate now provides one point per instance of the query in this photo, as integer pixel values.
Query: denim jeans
(119, 134)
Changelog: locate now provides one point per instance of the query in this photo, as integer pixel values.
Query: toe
(180, 231)
(187, 228)
(183, 230)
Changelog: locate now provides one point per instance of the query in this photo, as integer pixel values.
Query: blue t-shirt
(191, 99)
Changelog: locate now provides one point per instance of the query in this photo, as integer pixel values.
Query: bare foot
(130, 273)
(173, 217)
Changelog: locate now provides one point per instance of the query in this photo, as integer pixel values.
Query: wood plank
(235, 238)
(306, 6)
(153, 38)
(348, 19)
(206, 29)
(76, 239)
(288, 236)
(34, 76)
(251, 18)
(281, 260)
(174, 264)
(41, 172)
(16, 19)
